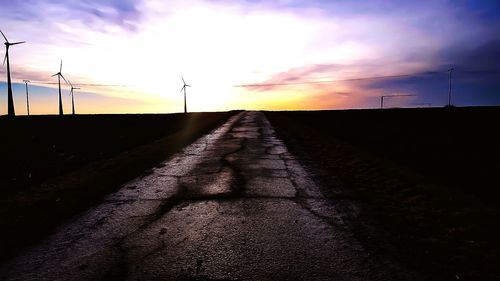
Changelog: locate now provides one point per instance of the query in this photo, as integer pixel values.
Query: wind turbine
(27, 96)
(59, 75)
(392, 96)
(72, 97)
(184, 89)
(449, 92)
(10, 102)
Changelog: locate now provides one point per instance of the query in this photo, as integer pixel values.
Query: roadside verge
(28, 216)
(434, 229)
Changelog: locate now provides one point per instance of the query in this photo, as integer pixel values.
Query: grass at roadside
(53, 167)
(447, 230)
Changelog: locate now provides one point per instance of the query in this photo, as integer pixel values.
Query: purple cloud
(123, 13)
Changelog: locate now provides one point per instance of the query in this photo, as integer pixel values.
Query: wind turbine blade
(18, 43)
(60, 68)
(183, 88)
(70, 83)
(183, 80)
(55, 75)
(64, 78)
(4, 36)
(5, 58)
(188, 85)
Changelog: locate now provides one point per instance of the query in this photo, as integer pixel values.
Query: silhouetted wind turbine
(72, 97)
(10, 102)
(392, 96)
(184, 89)
(27, 97)
(59, 75)
(449, 92)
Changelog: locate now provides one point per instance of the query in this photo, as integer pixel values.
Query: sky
(128, 56)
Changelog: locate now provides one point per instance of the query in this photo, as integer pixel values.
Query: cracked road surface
(234, 205)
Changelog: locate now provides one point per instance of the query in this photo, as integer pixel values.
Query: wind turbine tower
(27, 97)
(184, 89)
(10, 98)
(59, 76)
(449, 91)
(72, 97)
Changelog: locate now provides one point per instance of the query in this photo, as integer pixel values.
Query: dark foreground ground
(423, 182)
(426, 179)
(233, 205)
(52, 168)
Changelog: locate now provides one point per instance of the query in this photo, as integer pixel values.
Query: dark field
(425, 179)
(52, 167)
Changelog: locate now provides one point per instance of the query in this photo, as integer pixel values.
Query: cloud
(476, 80)
(122, 13)
(216, 44)
(484, 58)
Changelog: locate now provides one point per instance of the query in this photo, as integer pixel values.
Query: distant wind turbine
(10, 102)
(392, 96)
(72, 97)
(59, 75)
(184, 89)
(449, 91)
(27, 97)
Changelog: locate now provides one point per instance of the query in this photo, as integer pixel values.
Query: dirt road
(234, 205)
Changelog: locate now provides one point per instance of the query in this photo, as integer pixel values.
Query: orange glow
(215, 46)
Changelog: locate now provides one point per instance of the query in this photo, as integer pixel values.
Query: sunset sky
(128, 56)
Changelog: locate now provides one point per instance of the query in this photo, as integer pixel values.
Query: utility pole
(449, 92)
(27, 97)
